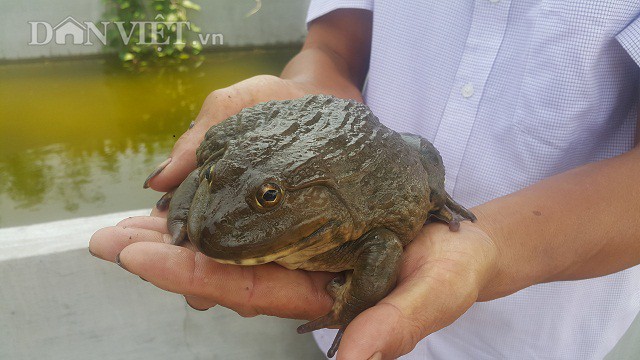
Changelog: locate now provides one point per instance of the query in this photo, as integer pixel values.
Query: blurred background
(92, 96)
(81, 126)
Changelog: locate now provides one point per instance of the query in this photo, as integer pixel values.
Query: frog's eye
(269, 195)
(208, 174)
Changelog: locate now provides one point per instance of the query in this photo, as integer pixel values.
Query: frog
(317, 184)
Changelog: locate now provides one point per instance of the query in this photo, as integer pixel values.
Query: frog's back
(318, 137)
(380, 178)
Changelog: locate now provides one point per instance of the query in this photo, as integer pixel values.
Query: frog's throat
(318, 236)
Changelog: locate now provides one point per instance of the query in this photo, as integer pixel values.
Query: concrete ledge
(58, 302)
(55, 237)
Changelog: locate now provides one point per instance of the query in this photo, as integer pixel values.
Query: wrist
(470, 253)
(493, 285)
(514, 270)
(316, 71)
(489, 270)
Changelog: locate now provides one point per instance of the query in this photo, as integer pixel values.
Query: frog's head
(243, 215)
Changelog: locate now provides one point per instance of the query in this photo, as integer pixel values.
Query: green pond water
(78, 137)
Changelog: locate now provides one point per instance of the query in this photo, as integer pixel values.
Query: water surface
(78, 137)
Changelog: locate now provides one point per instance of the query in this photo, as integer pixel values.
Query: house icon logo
(70, 31)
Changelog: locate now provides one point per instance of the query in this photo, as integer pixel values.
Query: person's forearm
(580, 224)
(335, 56)
(320, 71)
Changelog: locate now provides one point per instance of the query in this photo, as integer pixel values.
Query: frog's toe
(329, 320)
(322, 322)
(454, 224)
(459, 210)
(450, 217)
(336, 343)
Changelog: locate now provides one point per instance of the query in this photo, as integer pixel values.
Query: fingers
(182, 161)
(108, 242)
(267, 289)
(198, 303)
(180, 164)
(218, 106)
(145, 222)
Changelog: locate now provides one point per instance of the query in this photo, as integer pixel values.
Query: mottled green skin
(355, 193)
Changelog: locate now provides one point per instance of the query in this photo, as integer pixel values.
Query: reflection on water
(78, 137)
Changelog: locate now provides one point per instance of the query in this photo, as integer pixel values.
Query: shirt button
(467, 90)
(494, 1)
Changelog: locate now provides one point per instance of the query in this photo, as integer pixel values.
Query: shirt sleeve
(629, 38)
(318, 8)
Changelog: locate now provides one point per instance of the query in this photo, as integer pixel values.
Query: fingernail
(376, 356)
(155, 172)
(163, 203)
(193, 123)
(119, 263)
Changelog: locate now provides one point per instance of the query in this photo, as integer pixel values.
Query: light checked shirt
(512, 92)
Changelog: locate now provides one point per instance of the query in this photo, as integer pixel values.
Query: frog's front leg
(373, 277)
(179, 207)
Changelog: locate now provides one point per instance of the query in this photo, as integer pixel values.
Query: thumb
(380, 332)
(182, 161)
(218, 106)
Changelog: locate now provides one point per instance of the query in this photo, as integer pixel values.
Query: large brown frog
(319, 184)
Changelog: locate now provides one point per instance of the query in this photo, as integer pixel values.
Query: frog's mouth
(320, 235)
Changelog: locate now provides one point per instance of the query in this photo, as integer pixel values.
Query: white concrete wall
(59, 302)
(277, 22)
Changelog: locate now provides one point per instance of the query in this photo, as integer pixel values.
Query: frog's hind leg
(444, 207)
(451, 212)
(373, 276)
(336, 317)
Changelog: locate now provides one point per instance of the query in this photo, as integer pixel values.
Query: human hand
(442, 275)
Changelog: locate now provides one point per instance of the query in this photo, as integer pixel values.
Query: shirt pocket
(573, 62)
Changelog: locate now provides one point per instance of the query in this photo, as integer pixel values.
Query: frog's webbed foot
(453, 213)
(373, 277)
